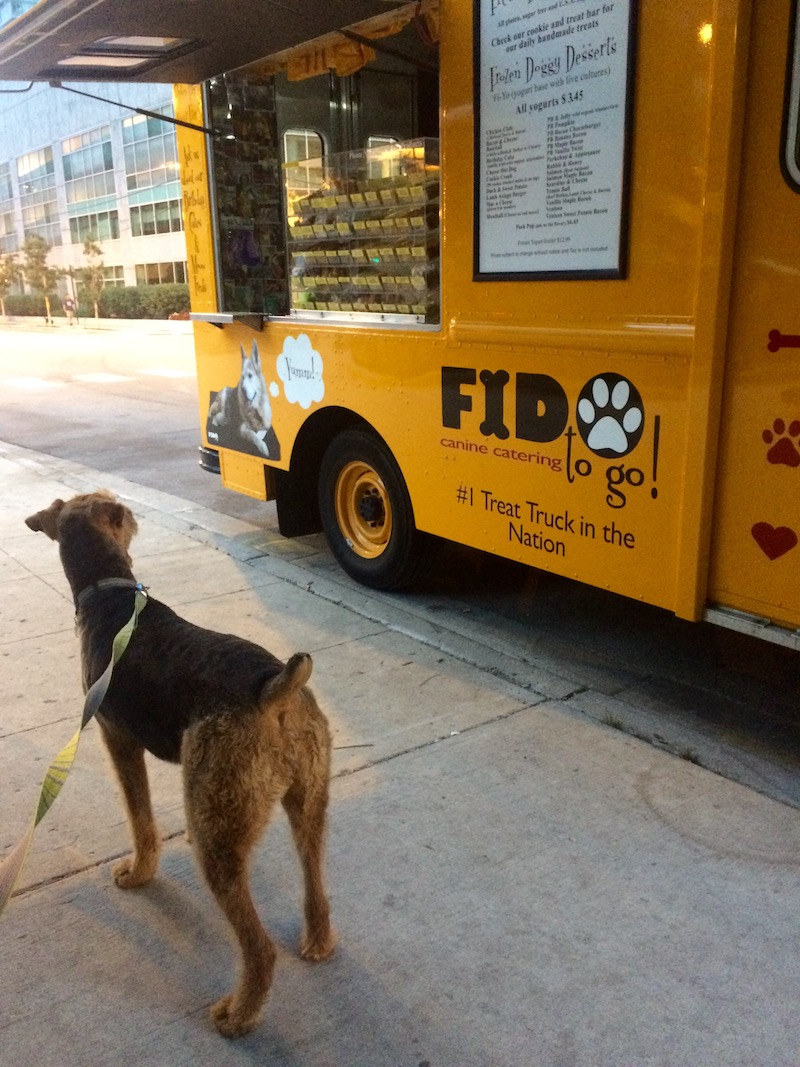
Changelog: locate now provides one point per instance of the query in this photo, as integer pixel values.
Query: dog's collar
(106, 583)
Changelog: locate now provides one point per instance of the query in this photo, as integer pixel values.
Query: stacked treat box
(364, 232)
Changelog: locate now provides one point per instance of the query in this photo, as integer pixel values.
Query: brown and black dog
(242, 725)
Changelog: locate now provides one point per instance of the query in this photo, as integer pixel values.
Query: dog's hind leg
(227, 875)
(306, 806)
(228, 803)
(127, 755)
(306, 734)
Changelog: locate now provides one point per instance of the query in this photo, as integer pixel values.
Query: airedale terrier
(244, 727)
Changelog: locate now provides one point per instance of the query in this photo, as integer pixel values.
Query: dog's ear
(254, 356)
(46, 521)
(119, 521)
(112, 513)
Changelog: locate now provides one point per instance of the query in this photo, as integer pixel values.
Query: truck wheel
(366, 512)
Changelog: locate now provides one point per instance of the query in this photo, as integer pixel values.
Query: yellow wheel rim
(363, 509)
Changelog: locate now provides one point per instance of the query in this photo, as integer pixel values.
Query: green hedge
(30, 304)
(160, 301)
(116, 302)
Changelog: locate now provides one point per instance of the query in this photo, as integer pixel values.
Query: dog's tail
(293, 676)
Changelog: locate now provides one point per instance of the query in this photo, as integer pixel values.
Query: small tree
(92, 276)
(10, 274)
(41, 278)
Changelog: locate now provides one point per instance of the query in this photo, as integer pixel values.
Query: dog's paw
(318, 947)
(230, 1020)
(128, 874)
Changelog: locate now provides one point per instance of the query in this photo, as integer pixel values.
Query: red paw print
(783, 450)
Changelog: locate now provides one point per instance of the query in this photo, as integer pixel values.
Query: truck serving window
(324, 166)
(363, 231)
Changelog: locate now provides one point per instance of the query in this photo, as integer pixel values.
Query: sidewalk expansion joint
(64, 876)
(431, 742)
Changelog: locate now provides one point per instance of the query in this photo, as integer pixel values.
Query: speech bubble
(299, 367)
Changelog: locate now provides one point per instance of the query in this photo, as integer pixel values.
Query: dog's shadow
(168, 929)
(173, 916)
(159, 956)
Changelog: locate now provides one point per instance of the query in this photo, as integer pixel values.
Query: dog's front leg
(127, 756)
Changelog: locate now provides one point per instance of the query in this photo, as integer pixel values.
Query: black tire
(366, 512)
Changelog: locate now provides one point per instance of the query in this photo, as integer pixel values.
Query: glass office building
(73, 167)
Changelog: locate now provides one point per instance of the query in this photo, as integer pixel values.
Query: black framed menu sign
(553, 91)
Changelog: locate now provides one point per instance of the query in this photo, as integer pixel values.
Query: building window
(100, 226)
(160, 273)
(37, 193)
(151, 151)
(8, 233)
(6, 192)
(88, 166)
(114, 275)
(163, 217)
(8, 229)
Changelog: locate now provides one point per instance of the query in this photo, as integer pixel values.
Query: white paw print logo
(610, 415)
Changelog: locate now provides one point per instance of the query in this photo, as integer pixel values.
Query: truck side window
(378, 141)
(790, 140)
(246, 179)
(302, 144)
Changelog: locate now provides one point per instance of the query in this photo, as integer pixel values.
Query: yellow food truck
(520, 274)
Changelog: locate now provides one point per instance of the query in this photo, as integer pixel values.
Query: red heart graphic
(773, 541)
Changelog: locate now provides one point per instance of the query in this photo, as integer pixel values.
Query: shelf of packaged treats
(365, 239)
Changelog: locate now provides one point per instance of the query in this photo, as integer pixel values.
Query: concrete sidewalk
(514, 884)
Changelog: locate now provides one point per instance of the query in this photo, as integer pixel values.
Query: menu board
(553, 84)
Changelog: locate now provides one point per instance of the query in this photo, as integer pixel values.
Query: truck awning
(162, 40)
